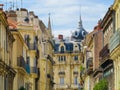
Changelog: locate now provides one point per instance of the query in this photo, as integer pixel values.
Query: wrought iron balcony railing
(61, 73)
(75, 72)
(104, 54)
(21, 62)
(34, 70)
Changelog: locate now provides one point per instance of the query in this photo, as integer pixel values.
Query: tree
(101, 85)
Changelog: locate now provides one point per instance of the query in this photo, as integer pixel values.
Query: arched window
(62, 49)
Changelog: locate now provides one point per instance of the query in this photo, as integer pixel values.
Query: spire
(49, 22)
(80, 22)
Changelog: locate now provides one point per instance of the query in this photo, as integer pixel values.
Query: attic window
(62, 49)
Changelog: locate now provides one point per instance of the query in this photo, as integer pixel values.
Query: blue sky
(65, 13)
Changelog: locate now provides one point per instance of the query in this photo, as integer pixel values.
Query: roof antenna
(6, 5)
(21, 3)
(16, 4)
(13, 5)
(10, 8)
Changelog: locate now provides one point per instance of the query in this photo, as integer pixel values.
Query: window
(27, 86)
(62, 49)
(75, 58)
(59, 58)
(61, 80)
(62, 58)
(75, 80)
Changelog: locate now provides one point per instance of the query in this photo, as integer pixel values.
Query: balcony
(34, 70)
(6, 70)
(21, 62)
(89, 69)
(74, 86)
(60, 86)
(61, 73)
(104, 54)
(115, 40)
(75, 72)
(28, 68)
(59, 52)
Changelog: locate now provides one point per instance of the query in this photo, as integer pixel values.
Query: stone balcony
(74, 86)
(66, 86)
(61, 73)
(60, 86)
(34, 72)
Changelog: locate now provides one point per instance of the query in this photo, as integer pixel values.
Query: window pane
(64, 58)
(75, 81)
(62, 80)
(75, 57)
(62, 49)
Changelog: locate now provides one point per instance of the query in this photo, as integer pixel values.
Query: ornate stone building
(68, 57)
(7, 72)
(114, 44)
(32, 52)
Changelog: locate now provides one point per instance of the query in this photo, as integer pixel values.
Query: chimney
(60, 36)
(1, 7)
(12, 15)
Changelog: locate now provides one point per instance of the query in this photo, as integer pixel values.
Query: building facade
(7, 72)
(114, 45)
(68, 57)
(106, 63)
(33, 50)
(92, 73)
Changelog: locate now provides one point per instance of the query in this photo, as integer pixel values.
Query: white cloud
(64, 32)
(65, 13)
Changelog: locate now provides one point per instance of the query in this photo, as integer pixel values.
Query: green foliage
(101, 85)
(81, 68)
(22, 88)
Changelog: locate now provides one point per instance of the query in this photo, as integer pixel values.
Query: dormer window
(62, 49)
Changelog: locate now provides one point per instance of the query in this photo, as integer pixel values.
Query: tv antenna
(21, 3)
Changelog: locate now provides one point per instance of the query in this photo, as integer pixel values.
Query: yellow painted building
(33, 46)
(92, 47)
(24, 51)
(46, 57)
(67, 66)
(7, 73)
(115, 45)
(88, 62)
(68, 58)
